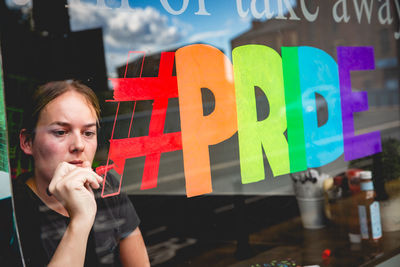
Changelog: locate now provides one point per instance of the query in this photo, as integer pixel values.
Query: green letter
(261, 66)
(294, 109)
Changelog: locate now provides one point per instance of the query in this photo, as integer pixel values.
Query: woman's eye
(89, 133)
(59, 132)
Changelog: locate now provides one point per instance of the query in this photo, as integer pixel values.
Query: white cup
(312, 212)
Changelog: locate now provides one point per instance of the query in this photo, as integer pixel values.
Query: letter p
(202, 66)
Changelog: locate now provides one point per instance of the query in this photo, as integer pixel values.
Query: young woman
(62, 219)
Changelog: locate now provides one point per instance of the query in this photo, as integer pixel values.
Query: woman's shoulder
(19, 187)
(22, 178)
(25, 200)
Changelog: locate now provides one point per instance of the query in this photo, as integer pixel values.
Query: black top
(41, 228)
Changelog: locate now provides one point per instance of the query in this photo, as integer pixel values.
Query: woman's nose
(77, 143)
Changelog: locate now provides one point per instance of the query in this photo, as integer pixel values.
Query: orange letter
(202, 66)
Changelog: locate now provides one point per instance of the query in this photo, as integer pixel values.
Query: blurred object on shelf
(353, 179)
(390, 208)
(309, 190)
(309, 183)
(342, 201)
(369, 211)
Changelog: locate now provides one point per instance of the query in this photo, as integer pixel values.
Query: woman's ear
(25, 141)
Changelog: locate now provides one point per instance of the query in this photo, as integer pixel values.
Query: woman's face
(66, 131)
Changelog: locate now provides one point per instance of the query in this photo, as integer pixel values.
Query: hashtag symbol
(159, 89)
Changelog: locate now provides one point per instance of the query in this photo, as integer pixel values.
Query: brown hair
(50, 91)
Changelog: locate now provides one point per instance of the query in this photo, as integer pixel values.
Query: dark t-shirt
(41, 228)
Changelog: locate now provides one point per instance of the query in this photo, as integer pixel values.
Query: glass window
(244, 132)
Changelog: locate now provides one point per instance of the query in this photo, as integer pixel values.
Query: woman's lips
(76, 162)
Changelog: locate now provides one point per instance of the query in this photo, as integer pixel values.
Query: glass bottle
(368, 211)
(353, 180)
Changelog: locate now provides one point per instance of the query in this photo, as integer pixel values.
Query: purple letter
(349, 59)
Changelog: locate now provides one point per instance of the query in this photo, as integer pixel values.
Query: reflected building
(37, 46)
(149, 67)
(327, 34)
(150, 64)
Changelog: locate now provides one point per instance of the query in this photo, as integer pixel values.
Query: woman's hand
(72, 186)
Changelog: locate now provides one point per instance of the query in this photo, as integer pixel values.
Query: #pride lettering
(290, 82)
